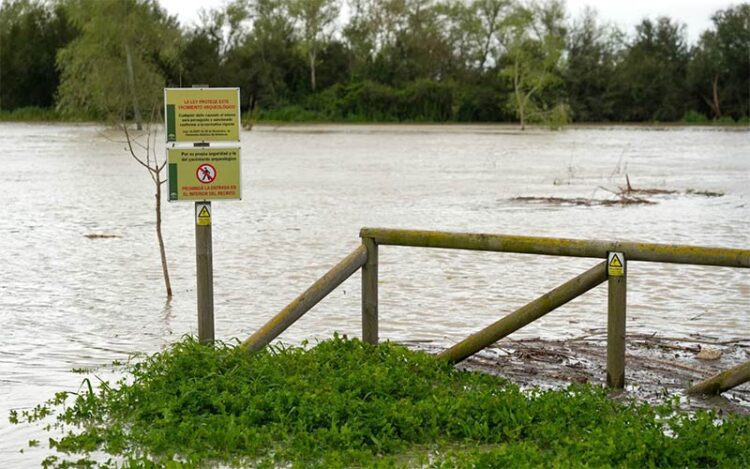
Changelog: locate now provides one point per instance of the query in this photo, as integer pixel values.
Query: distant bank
(296, 115)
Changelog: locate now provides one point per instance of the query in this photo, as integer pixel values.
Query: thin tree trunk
(715, 86)
(131, 85)
(520, 101)
(312, 70)
(486, 50)
(162, 251)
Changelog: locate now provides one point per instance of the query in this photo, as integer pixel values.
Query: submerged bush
(348, 403)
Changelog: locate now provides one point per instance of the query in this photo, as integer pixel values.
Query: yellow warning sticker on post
(203, 214)
(616, 264)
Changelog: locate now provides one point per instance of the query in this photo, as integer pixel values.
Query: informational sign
(616, 264)
(204, 173)
(203, 214)
(202, 114)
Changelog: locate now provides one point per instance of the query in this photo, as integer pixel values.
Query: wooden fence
(613, 268)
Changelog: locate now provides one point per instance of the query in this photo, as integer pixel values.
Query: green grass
(345, 403)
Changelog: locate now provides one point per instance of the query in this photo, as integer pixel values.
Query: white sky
(625, 13)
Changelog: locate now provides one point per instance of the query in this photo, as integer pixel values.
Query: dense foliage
(385, 60)
(345, 403)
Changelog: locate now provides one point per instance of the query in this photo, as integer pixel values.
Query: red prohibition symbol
(206, 173)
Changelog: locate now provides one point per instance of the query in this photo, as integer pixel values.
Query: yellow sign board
(616, 264)
(204, 173)
(202, 114)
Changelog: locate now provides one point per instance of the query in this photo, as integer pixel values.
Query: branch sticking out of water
(627, 195)
(580, 201)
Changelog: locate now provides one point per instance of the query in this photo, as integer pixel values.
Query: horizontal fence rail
(365, 257)
(649, 252)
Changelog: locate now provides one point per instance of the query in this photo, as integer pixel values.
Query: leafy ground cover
(345, 403)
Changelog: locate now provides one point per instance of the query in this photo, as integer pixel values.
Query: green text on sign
(204, 173)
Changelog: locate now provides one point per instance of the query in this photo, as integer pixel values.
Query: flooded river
(67, 301)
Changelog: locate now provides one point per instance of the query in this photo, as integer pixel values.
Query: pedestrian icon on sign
(206, 173)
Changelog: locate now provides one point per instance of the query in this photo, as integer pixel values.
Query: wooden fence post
(617, 273)
(204, 272)
(370, 293)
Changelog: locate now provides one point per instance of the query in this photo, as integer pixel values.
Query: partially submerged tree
(535, 43)
(115, 65)
(143, 150)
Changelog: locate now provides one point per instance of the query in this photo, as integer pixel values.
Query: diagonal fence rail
(613, 270)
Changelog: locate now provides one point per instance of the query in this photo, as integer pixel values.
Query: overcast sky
(695, 14)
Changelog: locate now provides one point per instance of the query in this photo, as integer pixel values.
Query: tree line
(376, 60)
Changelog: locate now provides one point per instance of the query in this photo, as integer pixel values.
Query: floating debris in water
(708, 353)
(580, 201)
(704, 193)
(101, 236)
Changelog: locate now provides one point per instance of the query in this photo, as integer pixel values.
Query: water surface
(70, 302)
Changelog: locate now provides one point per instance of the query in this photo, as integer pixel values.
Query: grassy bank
(345, 403)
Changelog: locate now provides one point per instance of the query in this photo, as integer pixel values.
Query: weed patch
(344, 403)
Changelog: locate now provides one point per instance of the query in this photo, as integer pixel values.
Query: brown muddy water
(68, 301)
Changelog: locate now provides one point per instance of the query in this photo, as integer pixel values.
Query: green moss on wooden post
(370, 293)
(649, 252)
(723, 381)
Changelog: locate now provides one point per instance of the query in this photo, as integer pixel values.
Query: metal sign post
(203, 154)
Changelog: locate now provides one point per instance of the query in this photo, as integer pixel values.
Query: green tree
(396, 42)
(359, 36)
(653, 73)
(593, 51)
(31, 33)
(535, 43)
(485, 25)
(719, 72)
(315, 25)
(117, 62)
(201, 60)
(267, 63)
(707, 67)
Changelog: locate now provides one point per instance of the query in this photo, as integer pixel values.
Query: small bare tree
(136, 145)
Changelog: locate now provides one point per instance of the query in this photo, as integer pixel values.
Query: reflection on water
(71, 302)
